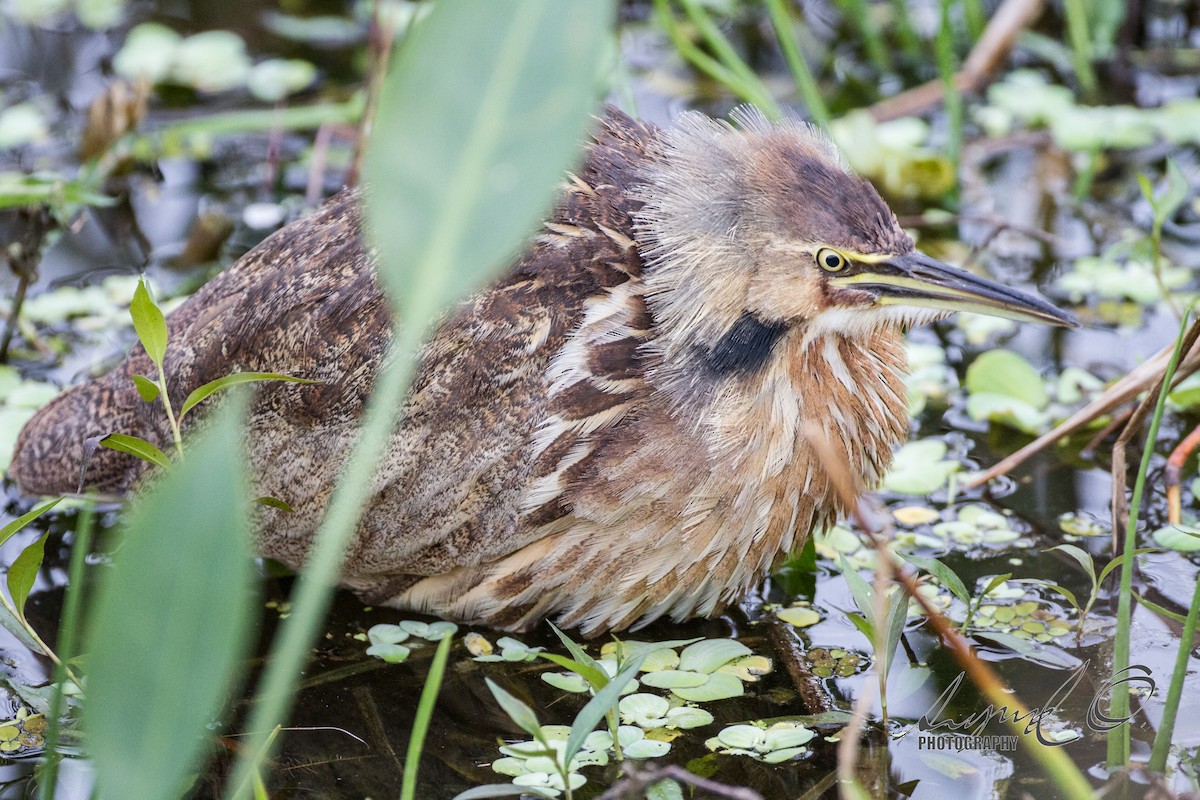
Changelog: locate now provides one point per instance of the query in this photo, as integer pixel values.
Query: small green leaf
(897, 615)
(23, 573)
(203, 392)
(993, 583)
(1082, 556)
(517, 710)
(1068, 594)
(146, 388)
(860, 589)
(150, 324)
(1116, 562)
(136, 447)
(20, 522)
(274, 502)
(595, 676)
(598, 707)
(946, 576)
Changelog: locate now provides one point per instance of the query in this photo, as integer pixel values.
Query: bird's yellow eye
(831, 260)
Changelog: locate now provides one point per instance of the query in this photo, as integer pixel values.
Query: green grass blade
(416, 741)
(806, 84)
(17, 524)
(68, 643)
(134, 446)
(175, 603)
(1118, 708)
(207, 390)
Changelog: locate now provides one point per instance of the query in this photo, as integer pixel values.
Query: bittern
(612, 431)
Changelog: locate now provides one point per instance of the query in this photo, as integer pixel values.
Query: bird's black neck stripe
(745, 347)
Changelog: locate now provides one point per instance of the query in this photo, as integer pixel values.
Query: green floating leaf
(20, 522)
(504, 790)
(674, 679)
(1005, 373)
(800, 617)
(150, 324)
(23, 573)
(136, 447)
(1182, 539)
(920, 468)
(175, 603)
(204, 392)
(708, 655)
(719, 686)
(146, 388)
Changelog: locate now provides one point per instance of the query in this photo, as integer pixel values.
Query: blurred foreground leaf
(170, 621)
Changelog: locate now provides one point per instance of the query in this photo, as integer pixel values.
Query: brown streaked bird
(613, 430)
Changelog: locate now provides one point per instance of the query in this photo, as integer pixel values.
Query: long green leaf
(946, 576)
(23, 573)
(150, 324)
(518, 711)
(502, 790)
(596, 677)
(136, 447)
(601, 703)
(416, 741)
(169, 622)
(478, 120)
(20, 522)
(474, 143)
(203, 392)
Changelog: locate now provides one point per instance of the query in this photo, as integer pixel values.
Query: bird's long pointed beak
(915, 279)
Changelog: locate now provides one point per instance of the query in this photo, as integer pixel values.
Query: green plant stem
(67, 642)
(751, 91)
(906, 33)
(975, 19)
(944, 45)
(1166, 727)
(416, 741)
(176, 434)
(47, 651)
(717, 41)
(1157, 266)
(1118, 738)
(1081, 47)
(857, 14)
(806, 84)
(315, 585)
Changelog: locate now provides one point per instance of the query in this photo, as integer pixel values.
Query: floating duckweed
(386, 638)
(478, 645)
(510, 650)
(799, 616)
(1075, 524)
(779, 742)
(920, 467)
(26, 731)
(977, 524)
(649, 711)
(912, 516)
(827, 663)
(531, 764)
(1024, 620)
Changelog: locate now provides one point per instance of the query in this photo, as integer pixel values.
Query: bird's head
(753, 231)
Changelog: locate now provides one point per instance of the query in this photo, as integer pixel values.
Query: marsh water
(353, 712)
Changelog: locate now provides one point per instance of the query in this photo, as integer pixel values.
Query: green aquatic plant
(773, 744)
(386, 638)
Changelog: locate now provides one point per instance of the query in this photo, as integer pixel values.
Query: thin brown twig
(984, 60)
(634, 782)
(1120, 393)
